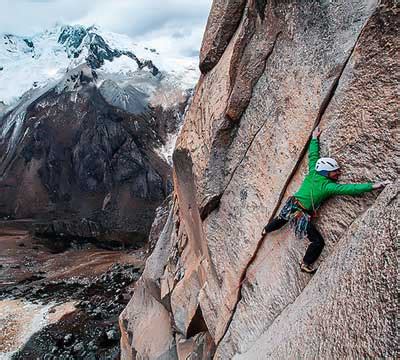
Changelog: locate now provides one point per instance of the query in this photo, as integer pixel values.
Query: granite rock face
(348, 308)
(219, 289)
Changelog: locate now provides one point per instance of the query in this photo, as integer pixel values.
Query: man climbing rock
(319, 184)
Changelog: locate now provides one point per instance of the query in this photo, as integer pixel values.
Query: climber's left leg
(314, 249)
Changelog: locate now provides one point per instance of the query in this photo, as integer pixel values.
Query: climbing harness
(297, 216)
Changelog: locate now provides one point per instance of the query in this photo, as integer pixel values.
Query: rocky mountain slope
(212, 288)
(87, 129)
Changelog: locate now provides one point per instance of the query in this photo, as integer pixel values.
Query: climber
(319, 184)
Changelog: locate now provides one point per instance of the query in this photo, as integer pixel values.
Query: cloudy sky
(170, 25)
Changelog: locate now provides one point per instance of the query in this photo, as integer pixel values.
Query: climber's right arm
(313, 150)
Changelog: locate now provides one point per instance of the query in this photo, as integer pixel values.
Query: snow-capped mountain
(32, 62)
(88, 123)
(128, 75)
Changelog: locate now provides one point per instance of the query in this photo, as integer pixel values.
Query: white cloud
(24, 17)
(168, 25)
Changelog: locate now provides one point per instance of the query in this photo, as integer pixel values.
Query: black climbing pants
(317, 241)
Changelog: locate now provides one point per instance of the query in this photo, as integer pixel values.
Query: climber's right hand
(316, 133)
(381, 185)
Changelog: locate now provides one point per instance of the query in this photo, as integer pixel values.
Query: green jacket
(317, 188)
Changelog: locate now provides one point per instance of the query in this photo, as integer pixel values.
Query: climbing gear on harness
(307, 268)
(297, 216)
(326, 164)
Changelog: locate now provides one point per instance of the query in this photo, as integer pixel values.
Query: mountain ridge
(30, 62)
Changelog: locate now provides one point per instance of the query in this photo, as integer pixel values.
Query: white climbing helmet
(326, 164)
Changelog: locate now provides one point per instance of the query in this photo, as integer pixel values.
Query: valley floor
(61, 301)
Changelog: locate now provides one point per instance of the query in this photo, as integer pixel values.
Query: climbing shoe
(307, 268)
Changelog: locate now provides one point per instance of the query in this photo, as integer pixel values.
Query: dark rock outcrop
(78, 151)
(280, 69)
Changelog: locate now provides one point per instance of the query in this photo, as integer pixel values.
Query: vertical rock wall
(212, 287)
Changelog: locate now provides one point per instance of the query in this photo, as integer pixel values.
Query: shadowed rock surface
(212, 288)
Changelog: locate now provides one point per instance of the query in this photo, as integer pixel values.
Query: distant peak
(72, 36)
